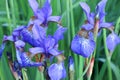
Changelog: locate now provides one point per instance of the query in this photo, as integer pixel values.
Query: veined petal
(87, 27)
(82, 46)
(28, 37)
(36, 50)
(57, 71)
(25, 61)
(54, 18)
(105, 25)
(112, 41)
(58, 35)
(34, 5)
(54, 52)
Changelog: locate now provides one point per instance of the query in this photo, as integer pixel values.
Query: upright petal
(56, 71)
(49, 43)
(86, 8)
(58, 35)
(112, 41)
(47, 9)
(34, 5)
(100, 9)
(82, 46)
(39, 32)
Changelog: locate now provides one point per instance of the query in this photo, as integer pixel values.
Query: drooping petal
(2, 49)
(54, 52)
(54, 18)
(19, 44)
(82, 46)
(58, 35)
(112, 41)
(25, 61)
(28, 37)
(34, 5)
(36, 50)
(57, 71)
(87, 27)
(105, 25)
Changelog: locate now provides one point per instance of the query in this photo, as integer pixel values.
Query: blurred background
(14, 13)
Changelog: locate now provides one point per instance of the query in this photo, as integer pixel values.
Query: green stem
(107, 55)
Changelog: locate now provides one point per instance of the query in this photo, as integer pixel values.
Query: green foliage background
(18, 12)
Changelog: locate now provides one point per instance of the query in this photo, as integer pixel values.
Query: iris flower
(57, 71)
(112, 40)
(47, 44)
(23, 59)
(99, 13)
(43, 15)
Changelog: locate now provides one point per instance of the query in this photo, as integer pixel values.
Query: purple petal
(54, 18)
(34, 5)
(112, 41)
(16, 32)
(47, 9)
(100, 9)
(8, 38)
(58, 35)
(82, 46)
(54, 52)
(28, 37)
(19, 44)
(39, 32)
(71, 63)
(87, 27)
(36, 50)
(57, 71)
(86, 8)
(105, 25)
(2, 49)
(49, 43)
(25, 61)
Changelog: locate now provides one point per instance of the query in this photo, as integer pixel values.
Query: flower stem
(107, 55)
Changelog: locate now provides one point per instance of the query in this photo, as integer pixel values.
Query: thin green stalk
(107, 55)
